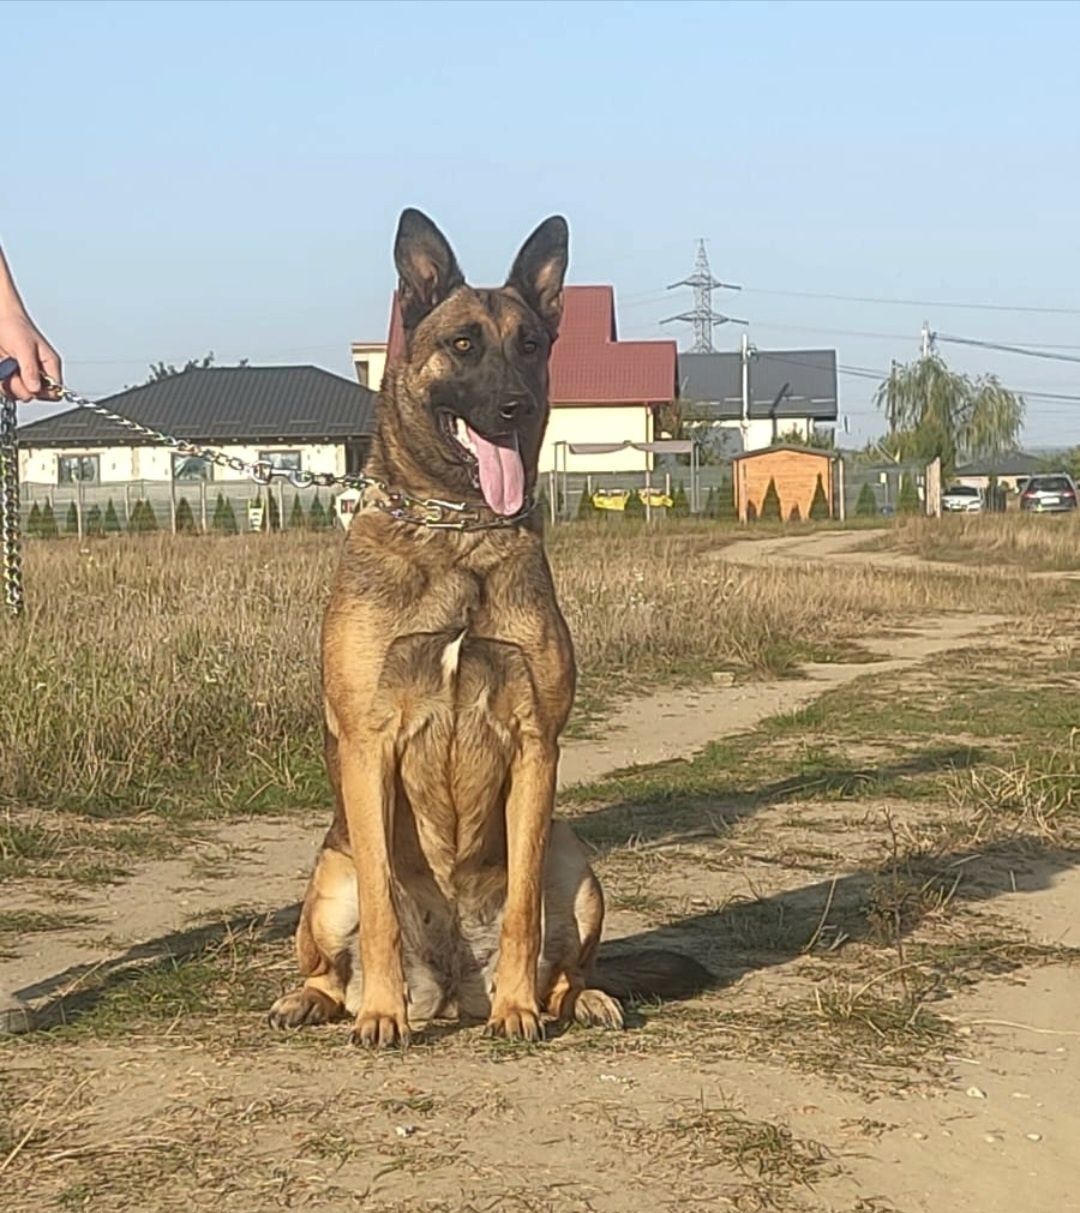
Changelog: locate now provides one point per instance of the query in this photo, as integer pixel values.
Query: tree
(317, 519)
(93, 524)
(33, 522)
(680, 504)
(296, 515)
(275, 510)
(710, 504)
(635, 507)
(143, 520)
(166, 370)
(185, 519)
(586, 507)
(796, 513)
(935, 412)
(819, 440)
(224, 521)
(112, 521)
(909, 496)
(71, 519)
(725, 500)
(49, 529)
(866, 506)
(819, 506)
(770, 505)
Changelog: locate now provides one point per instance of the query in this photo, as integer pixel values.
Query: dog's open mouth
(495, 463)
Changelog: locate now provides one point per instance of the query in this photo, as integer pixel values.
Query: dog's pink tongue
(502, 474)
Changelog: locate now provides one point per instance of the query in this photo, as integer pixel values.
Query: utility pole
(702, 317)
(745, 352)
(927, 339)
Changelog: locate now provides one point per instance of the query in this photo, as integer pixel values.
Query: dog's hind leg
(573, 922)
(325, 946)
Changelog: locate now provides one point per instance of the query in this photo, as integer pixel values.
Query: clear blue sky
(227, 176)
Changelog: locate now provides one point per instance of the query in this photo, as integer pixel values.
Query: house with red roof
(603, 390)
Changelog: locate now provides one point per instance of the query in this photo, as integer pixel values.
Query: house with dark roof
(298, 417)
(1011, 469)
(785, 393)
(603, 390)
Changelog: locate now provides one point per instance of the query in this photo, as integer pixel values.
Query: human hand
(19, 339)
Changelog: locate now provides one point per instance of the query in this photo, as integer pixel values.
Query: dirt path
(850, 548)
(262, 864)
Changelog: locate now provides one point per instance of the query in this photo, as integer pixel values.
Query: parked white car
(962, 498)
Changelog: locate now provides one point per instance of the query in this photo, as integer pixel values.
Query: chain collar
(437, 515)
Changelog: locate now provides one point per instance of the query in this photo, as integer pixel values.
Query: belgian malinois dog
(443, 888)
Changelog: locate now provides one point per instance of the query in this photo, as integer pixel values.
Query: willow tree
(933, 412)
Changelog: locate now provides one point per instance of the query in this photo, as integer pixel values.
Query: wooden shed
(795, 470)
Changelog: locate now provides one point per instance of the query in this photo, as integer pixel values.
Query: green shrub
(185, 519)
(33, 522)
(49, 529)
(680, 503)
(93, 524)
(725, 500)
(317, 518)
(112, 521)
(710, 504)
(909, 502)
(796, 513)
(224, 521)
(586, 507)
(866, 505)
(635, 507)
(296, 515)
(71, 519)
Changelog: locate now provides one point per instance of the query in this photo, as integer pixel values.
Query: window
(288, 461)
(363, 372)
(78, 469)
(191, 467)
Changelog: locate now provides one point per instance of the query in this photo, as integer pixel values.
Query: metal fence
(77, 507)
(563, 491)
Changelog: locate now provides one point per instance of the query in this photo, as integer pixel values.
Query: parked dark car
(1049, 494)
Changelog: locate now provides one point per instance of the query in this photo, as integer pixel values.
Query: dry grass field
(1030, 541)
(883, 883)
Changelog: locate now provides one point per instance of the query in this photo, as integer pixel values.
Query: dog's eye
(529, 347)
(463, 344)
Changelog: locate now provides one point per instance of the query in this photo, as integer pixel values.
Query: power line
(923, 303)
(1007, 349)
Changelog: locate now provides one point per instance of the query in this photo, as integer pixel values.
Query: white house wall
(760, 432)
(594, 423)
(121, 464)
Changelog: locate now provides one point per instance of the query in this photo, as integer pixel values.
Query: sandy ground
(618, 1126)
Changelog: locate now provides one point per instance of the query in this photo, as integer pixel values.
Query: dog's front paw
(381, 1028)
(515, 1022)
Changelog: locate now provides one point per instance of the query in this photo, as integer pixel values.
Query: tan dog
(443, 888)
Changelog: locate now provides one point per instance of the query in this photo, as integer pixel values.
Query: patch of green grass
(33, 922)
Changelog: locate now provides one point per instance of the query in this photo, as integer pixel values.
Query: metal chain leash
(430, 512)
(9, 507)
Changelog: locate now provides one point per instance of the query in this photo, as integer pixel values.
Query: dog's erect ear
(540, 268)
(427, 268)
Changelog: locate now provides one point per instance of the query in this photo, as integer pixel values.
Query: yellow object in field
(610, 499)
(655, 499)
(616, 499)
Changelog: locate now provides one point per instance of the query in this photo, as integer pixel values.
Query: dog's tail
(651, 973)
